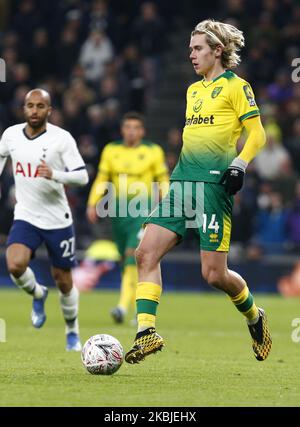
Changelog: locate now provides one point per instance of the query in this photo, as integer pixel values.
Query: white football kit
(43, 202)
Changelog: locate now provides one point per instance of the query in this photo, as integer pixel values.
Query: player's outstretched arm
(100, 185)
(75, 177)
(98, 190)
(234, 176)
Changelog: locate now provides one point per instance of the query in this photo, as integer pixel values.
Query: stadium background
(140, 62)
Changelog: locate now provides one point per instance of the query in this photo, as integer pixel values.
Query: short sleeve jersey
(214, 115)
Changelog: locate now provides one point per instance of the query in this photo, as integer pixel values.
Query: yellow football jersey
(214, 115)
(126, 167)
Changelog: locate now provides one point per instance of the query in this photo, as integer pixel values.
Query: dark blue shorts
(60, 243)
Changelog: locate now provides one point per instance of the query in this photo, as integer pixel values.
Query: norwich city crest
(198, 105)
(216, 91)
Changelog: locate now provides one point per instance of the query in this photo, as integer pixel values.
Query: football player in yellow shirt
(209, 172)
(131, 166)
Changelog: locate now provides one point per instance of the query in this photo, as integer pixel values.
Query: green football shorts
(203, 206)
(127, 232)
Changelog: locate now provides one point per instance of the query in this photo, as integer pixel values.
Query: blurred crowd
(100, 58)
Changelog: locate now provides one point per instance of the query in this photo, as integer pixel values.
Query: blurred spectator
(265, 31)
(293, 221)
(242, 221)
(90, 153)
(57, 118)
(74, 121)
(80, 93)
(41, 60)
(285, 184)
(132, 75)
(290, 114)
(259, 66)
(293, 144)
(264, 195)
(173, 147)
(270, 160)
(67, 51)
(281, 90)
(109, 88)
(26, 20)
(233, 9)
(174, 140)
(113, 116)
(148, 31)
(96, 51)
(21, 74)
(271, 225)
(291, 32)
(100, 18)
(16, 105)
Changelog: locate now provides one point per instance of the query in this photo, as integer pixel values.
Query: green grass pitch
(207, 361)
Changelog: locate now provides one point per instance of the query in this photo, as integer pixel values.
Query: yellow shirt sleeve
(255, 141)
(104, 173)
(242, 99)
(161, 173)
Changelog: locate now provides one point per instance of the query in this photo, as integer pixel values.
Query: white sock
(28, 283)
(253, 321)
(69, 304)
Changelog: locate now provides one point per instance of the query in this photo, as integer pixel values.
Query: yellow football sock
(145, 321)
(147, 299)
(128, 287)
(245, 304)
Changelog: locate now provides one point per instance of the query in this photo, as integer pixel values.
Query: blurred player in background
(124, 163)
(41, 153)
(218, 107)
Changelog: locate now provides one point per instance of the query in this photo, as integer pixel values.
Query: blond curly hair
(229, 37)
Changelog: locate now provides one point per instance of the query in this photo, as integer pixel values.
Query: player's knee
(16, 267)
(213, 277)
(145, 259)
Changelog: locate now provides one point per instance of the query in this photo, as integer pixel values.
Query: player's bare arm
(91, 214)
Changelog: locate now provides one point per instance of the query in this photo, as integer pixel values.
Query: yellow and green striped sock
(147, 300)
(245, 304)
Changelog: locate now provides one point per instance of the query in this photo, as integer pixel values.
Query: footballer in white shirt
(44, 158)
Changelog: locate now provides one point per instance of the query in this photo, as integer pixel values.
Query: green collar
(228, 74)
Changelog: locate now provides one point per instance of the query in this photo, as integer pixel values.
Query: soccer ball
(102, 354)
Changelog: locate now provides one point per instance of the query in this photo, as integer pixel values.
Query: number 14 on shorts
(213, 224)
